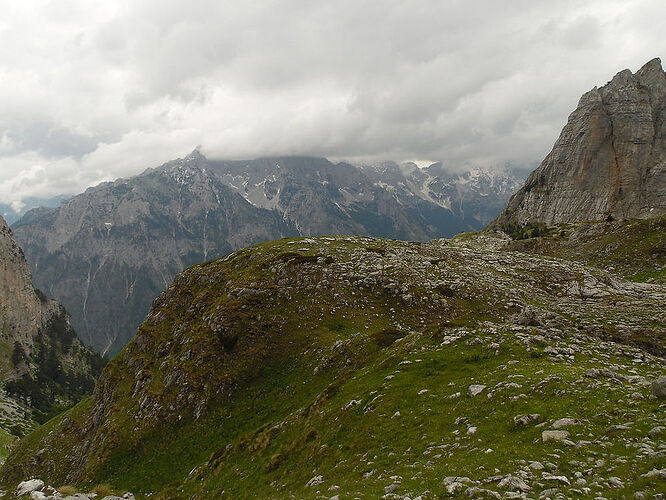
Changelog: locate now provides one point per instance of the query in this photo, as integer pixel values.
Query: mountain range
(107, 253)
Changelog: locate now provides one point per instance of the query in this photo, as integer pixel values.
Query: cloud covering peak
(95, 91)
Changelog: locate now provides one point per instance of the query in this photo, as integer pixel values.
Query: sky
(92, 91)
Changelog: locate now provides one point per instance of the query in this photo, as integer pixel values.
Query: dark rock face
(21, 312)
(320, 197)
(107, 253)
(610, 159)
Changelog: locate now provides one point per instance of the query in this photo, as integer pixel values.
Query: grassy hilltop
(350, 366)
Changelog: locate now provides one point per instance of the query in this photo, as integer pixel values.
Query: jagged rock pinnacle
(610, 159)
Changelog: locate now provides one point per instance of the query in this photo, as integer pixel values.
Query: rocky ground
(634, 250)
(349, 367)
(35, 489)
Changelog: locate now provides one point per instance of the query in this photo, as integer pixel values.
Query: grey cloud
(96, 92)
(48, 139)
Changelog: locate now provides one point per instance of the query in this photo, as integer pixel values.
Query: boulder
(522, 420)
(474, 492)
(554, 436)
(558, 479)
(315, 481)
(658, 387)
(514, 483)
(564, 422)
(392, 488)
(475, 390)
(456, 484)
(549, 493)
(655, 473)
(656, 431)
(600, 373)
(29, 486)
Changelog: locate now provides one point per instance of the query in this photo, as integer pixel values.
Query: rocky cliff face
(610, 159)
(107, 253)
(42, 361)
(21, 310)
(386, 199)
(320, 197)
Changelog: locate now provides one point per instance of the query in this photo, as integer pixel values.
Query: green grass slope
(634, 249)
(6, 442)
(310, 368)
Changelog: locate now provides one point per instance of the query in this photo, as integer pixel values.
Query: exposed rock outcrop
(609, 161)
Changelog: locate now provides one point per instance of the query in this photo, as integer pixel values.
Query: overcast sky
(92, 91)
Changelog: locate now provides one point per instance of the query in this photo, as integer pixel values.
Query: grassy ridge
(634, 249)
(344, 357)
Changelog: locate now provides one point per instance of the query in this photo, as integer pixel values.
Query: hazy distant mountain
(107, 253)
(387, 200)
(13, 213)
(474, 196)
